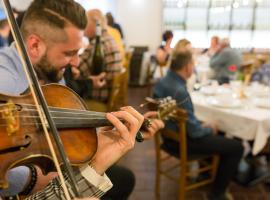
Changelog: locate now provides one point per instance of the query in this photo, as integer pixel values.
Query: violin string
(87, 115)
(67, 111)
(62, 117)
(32, 124)
(57, 123)
(59, 108)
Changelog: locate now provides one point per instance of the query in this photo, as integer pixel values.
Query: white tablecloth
(247, 122)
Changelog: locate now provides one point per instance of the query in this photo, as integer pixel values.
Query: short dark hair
(110, 19)
(180, 59)
(54, 14)
(167, 35)
(3, 23)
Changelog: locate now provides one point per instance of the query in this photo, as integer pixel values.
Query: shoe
(252, 175)
(259, 175)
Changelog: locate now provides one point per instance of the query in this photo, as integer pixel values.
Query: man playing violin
(52, 31)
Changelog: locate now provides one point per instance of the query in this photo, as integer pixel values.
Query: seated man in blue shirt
(201, 137)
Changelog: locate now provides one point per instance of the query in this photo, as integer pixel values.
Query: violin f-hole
(20, 145)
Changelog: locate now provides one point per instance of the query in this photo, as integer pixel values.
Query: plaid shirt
(111, 52)
(54, 191)
(113, 62)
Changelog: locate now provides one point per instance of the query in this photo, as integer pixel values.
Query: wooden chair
(123, 93)
(114, 95)
(207, 163)
(247, 69)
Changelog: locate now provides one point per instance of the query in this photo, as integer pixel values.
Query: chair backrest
(180, 116)
(248, 68)
(117, 92)
(180, 137)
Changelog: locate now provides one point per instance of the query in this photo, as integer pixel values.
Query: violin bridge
(11, 116)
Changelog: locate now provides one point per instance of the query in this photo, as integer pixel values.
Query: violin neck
(69, 118)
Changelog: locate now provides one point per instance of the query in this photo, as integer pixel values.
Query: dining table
(239, 111)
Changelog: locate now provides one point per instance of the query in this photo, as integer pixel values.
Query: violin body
(22, 137)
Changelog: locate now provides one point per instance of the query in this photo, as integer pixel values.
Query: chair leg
(158, 166)
(182, 183)
(157, 185)
(215, 166)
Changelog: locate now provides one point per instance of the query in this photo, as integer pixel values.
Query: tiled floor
(142, 161)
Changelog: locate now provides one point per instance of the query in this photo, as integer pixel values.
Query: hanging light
(245, 2)
(236, 4)
(181, 3)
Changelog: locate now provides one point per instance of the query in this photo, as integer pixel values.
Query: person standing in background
(112, 63)
(213, 46)
(112, 56)
(164, 50)
(4, 32)
(112, 23)
(225, 62)
(182, 45)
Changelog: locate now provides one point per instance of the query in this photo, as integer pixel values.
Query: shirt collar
(176, 77)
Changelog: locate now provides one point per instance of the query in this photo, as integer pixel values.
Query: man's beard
(47, 72)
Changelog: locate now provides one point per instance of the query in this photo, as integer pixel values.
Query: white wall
(20, 4)
(141, 21)
(103, 5)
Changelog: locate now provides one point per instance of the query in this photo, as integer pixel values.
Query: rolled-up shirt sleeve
(17, 180)
(90, 184)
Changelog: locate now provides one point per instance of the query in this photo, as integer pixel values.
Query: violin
(24, 142)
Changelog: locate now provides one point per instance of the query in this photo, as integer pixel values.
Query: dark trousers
(229, 150)
(123, 181)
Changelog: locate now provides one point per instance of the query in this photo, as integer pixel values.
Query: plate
(262, 102)
(208, 90)
(224, 103)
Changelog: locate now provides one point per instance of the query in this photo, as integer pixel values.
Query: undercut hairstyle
(46, 18)
(96, 16)
(180, 59)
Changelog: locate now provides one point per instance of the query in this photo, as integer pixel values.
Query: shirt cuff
(17, 180)
(103, 183)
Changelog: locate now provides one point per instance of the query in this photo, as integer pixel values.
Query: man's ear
(35, 47)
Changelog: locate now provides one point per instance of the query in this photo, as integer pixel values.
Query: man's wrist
(31, 182)
(96, 166)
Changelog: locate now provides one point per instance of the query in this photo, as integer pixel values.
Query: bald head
(94, 16)
(225, 42)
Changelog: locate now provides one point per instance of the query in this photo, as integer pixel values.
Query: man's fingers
(116, 122)
(127, 132)
(156, 125)
(105, 128)
(102, 75)
(150, 114)
(134, 113)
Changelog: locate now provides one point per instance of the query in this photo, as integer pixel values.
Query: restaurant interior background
(245, 22)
